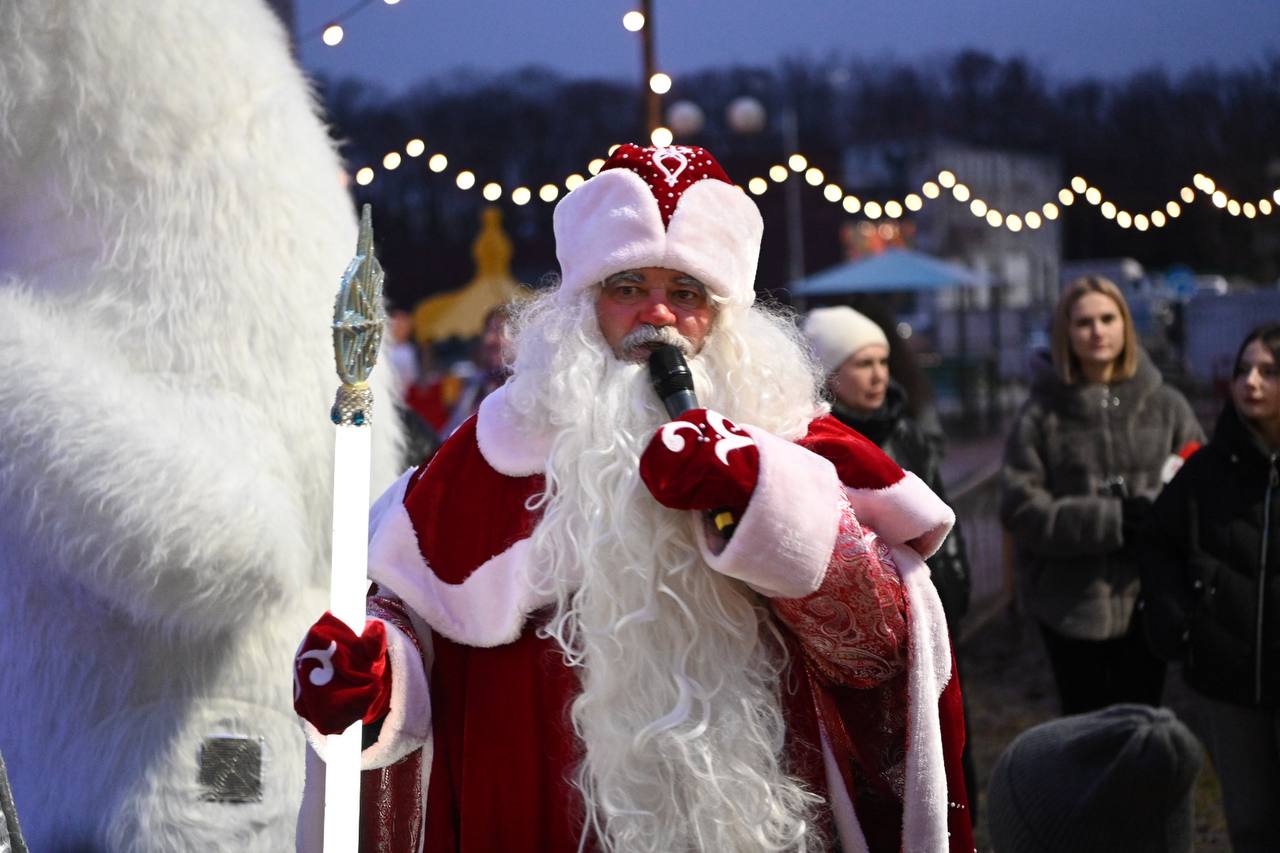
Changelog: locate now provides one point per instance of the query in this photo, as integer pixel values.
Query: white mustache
(648, 334)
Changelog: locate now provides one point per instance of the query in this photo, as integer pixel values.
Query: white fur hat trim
(612, 223)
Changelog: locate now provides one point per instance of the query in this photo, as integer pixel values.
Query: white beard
(680, 712)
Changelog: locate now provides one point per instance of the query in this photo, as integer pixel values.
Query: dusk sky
(402, 44)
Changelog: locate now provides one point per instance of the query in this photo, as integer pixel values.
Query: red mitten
(339, 678)
(701, 460)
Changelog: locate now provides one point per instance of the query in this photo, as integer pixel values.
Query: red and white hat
(671, 207)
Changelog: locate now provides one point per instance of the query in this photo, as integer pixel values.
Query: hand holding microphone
(700, 460)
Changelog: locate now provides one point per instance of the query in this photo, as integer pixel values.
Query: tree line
(1140, 138)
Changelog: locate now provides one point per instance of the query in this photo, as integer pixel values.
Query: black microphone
(673, 381)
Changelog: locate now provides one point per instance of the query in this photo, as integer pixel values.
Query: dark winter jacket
(1211, 568)
(905, 441)
(1074, 451)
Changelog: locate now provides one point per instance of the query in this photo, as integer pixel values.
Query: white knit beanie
(838, 332)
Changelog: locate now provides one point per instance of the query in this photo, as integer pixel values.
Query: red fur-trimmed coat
(477, 752)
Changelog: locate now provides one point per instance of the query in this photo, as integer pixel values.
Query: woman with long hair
(1082, 465)
(1210, 563)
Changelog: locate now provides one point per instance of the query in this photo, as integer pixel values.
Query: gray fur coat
(1073, 450)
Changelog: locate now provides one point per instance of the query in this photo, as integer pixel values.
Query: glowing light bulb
(757, 186)
(832, 193)
(521, 196)
(1141, 222)
(913, 202)
(574, 181)
(595, 166)
(332, 35)
(813, 176)
(1108, 210)
(851, 204)
(1174, 209)
(438, 163)
(1124, 219)
(364, 176)
(978, 208)
(492, 191)
(797, 162)
(778, 173)
(1067, 197)
(633, 21)
(1050, 210)
(1219, 198)
(660, 83)
(466, 179)
(1013, 222)
(391, 161)
(1157, 218)
(662, 137)
(1187, 194)
(549, 192)
(961, 192)
(1233, 207)
(946, 179)
(1079, 184)
(1093, 195)
(994, 219)
(930, 190)
(415, 147)
(892, 209)
(872, 210)
(1032, 219)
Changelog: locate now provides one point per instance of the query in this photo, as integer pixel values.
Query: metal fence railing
(977, 507)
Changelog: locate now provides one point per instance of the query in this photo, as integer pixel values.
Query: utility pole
(795, 225)
(652, 106)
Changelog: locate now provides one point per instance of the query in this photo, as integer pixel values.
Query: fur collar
(504, 443)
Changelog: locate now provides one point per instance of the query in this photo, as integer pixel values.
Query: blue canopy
(891, 270)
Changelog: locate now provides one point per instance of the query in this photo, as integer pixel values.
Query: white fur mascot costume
(172, 231)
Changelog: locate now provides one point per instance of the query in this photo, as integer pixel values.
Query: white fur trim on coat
(504, 445)
(784, 540)
(611, 223)
(487, 609)
(905, 513)
(924, 814)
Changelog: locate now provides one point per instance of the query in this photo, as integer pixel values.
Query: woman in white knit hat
(854, 353)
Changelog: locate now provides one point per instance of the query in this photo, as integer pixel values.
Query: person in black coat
(1211, 591)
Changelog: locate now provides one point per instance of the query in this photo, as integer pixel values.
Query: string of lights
(332, 32)
(799, 168)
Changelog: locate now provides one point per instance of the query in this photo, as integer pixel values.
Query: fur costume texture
(172, 230)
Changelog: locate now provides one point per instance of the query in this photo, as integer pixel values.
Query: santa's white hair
(681, 669)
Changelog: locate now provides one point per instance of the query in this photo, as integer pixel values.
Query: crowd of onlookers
(1138, 543)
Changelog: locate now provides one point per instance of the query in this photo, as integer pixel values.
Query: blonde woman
(1082, 465)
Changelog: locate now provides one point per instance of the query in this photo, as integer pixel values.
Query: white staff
(358, 318)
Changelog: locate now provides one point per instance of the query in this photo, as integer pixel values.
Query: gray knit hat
(1118, 779)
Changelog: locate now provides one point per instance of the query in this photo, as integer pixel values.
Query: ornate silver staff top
(358, 317)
